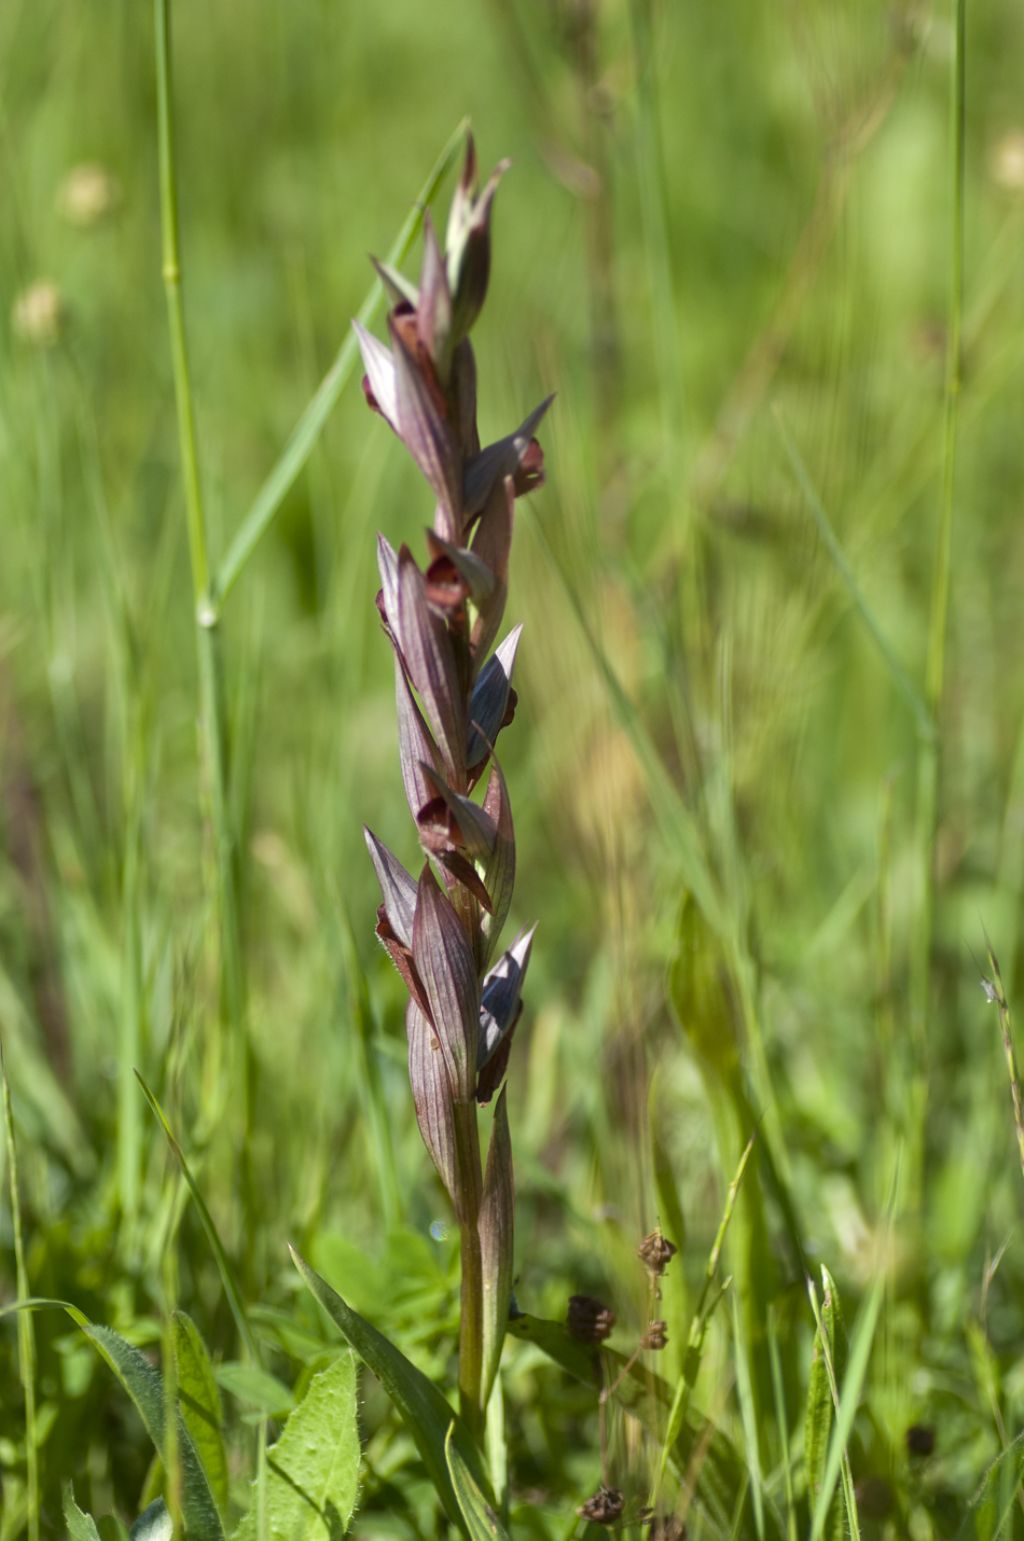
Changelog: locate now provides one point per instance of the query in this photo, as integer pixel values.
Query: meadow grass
(768, 765)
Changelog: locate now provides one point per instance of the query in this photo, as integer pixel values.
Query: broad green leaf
(257, 1388)
(313, 1470)
(153, 1524)
(199, 1401)
(426, 1413)
(81, 1526)
(481, 1521)
(145, 1386)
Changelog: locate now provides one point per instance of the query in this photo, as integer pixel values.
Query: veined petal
(416, 748)
(434, 310)
(429, 659)
(424, 430)
(398, 887)
(444, 962)
(432, 1097)
(380, 373)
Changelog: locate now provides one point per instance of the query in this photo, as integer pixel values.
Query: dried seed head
(656, 1336)
(604, 1508)
(656, 1252)
(588, 1320)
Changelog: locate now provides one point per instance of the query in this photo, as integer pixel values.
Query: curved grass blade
(481, 1521)
(827, 1368)
(313, 1470)
(422, 1407)
(224, 1268)
(307, 430)
(199, 1400)
(861, 1340)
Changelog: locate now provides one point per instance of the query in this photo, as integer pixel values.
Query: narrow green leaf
(200, 1404)
(144, 1385)
(849, 1398)
(426, 1413)
(481, 1521)
(819, 1414)
(224, 1268)
(153, 1524)
(313, 1470)
(81, 1526)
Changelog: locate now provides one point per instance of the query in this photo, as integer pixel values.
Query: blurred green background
(725, 244)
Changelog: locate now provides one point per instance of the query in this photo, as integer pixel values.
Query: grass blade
(481, 1521)
(224, 1268)
(26, 1334)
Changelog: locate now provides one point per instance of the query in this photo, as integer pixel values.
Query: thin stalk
(213, 712)
(26, 1332)
(471, 1312)
(996, 994)
(935, 671)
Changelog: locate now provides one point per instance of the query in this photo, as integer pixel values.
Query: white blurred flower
(88, 194)
(1007, 161)
(39, 313)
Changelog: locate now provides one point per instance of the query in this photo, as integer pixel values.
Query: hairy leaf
(145, 1386)
(424, 1410)
(313, 1470)
(200, 1404)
